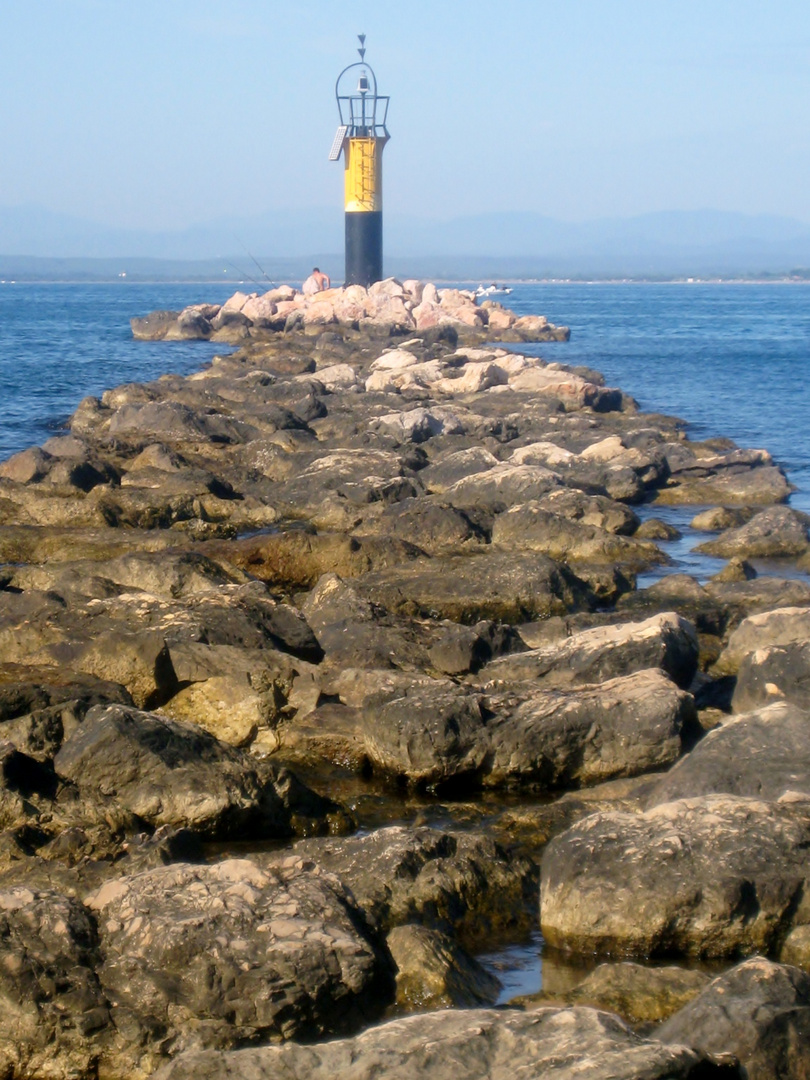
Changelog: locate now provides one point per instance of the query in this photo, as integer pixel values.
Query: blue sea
(731, 359)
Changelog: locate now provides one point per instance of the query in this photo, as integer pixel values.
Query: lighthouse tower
(361, 138)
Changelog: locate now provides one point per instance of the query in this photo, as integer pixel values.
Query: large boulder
(664, 641)
(531, 527)
(425, 731)
(56, 1017)
(461, 883)
(777, 532)
(764, 754)
(41, 706)
(470, 1043)
(224, 954)
(699, 475)
(502, 586)
(550, 739)
(717, 875)
(783, 626)
(777, 673)
(759, 1012)
(171, 773)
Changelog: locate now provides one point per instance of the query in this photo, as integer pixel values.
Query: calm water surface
(59, 343)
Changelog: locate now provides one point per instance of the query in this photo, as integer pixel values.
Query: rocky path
(324, 670)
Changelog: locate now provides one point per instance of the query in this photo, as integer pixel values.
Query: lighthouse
(361, 137)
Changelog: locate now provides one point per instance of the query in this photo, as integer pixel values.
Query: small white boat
(492, 290)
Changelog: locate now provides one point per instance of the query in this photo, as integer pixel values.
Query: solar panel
(337, 145)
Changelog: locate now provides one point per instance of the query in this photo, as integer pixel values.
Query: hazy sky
(155, 113)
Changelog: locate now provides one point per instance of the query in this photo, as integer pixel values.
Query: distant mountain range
(37, 243)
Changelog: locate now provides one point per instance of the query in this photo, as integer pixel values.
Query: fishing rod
(254, 260)
(242, 274)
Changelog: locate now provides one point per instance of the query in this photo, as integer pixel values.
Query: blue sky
(161, 113)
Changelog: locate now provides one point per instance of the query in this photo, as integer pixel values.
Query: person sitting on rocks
(316, 282)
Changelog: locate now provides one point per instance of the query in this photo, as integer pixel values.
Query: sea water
(60, 343)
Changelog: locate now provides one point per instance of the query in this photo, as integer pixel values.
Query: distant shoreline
(472, 282)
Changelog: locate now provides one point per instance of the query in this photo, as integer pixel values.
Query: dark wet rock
(530, 527)
(681, 593)
(56, 1015)
(775, 673)
(177, 423)
(717, 606)
(475, 1044)
(24, 783)
(640, 994)
(39, 707)
(169, 773)
(426, 731)
(596, 510)
(759, 1012)
(219, 955)
(736, 569)
(429, 733)
(441, 475)
(434, 972)
(764, 754)
(741, 599)
(296, 559)
(501, 487)
(460, 650)
(664, 641)
(716, 875)
(777, 532)
(461, 883)
(729, 478)
(551, 739)
(128, 637)
(432, 526)
(720, 518)
(501, 586)
(352, 632)
(154, 326)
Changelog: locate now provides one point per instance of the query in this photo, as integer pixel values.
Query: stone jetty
(324, 671)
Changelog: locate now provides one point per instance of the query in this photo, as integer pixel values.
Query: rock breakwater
(374, 569)
(384, 308)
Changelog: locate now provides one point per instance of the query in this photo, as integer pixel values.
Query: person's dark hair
(315, 270)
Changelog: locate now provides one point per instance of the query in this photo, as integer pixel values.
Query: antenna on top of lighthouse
(362, 50)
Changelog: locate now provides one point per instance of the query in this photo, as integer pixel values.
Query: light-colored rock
(393, 360)
(716, 875)
(783, 626)
(664, 641)
(236, 302)
(216, 955)
(557, 1044)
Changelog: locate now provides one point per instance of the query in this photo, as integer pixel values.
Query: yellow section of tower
(363, 175)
